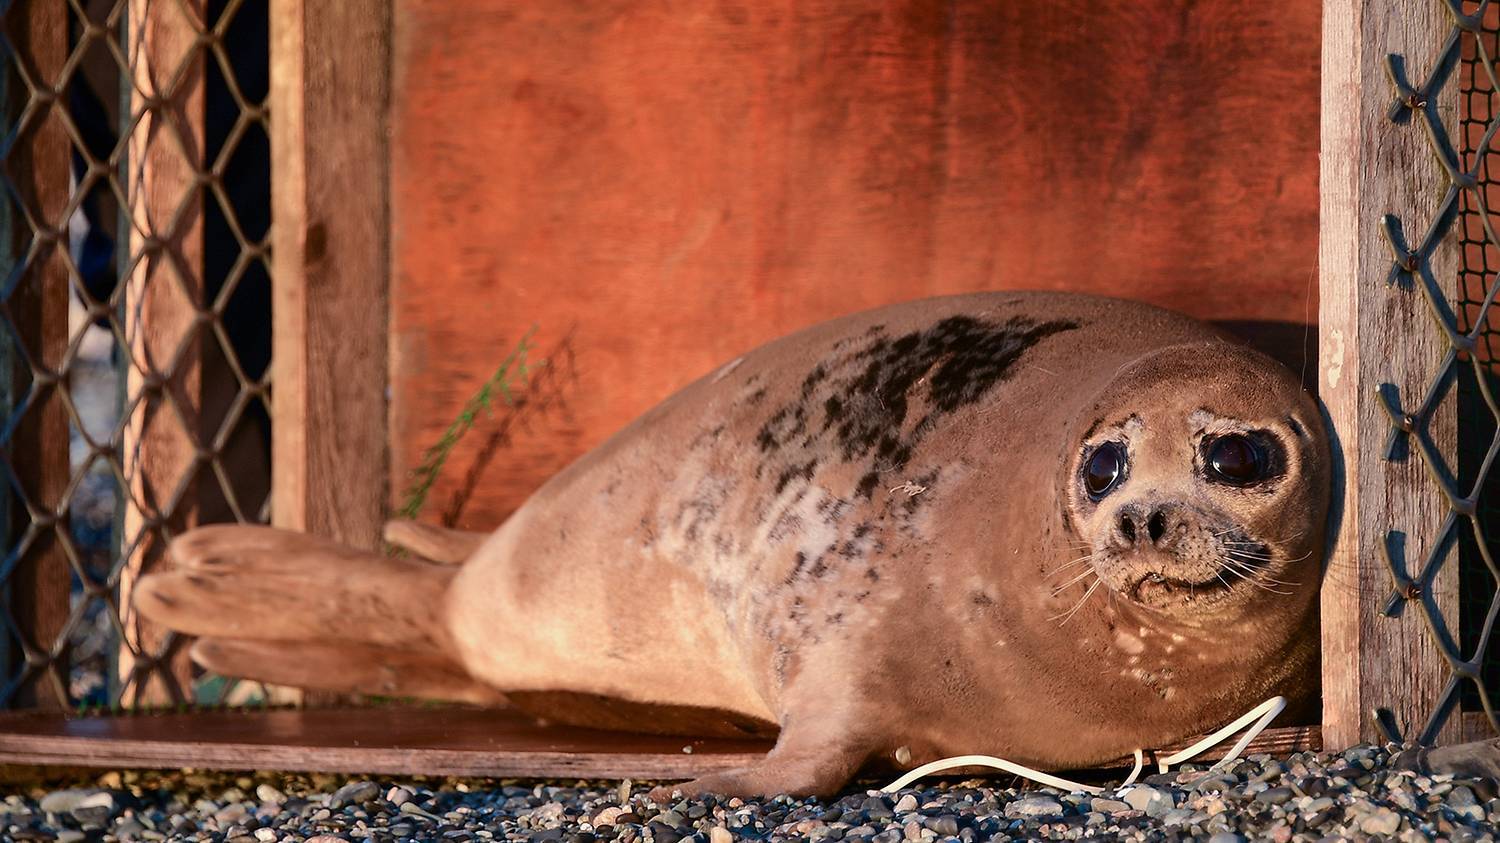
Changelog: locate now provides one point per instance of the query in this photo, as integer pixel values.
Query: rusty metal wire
(1467, 59)
(120, 426)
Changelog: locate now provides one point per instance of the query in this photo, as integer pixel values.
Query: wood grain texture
(329, 76)
(662, 185)
(402, 741)
(163, 297)
(1372, 333)
(38, 308)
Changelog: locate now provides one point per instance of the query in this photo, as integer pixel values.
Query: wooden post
(330, 65)
(39, 586)
(163, 319)
(1373, 333)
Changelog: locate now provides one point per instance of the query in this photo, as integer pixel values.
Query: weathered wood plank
(329, 82)
(404, 741)
(661, 186)
(163, 300)
(1372, 333)
(39, 587)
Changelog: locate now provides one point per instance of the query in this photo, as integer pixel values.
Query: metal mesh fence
(1478, 268)
(1467, 371)
(134, 326)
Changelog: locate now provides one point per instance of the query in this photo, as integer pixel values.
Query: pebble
(1382, 821)
(1034, 806)
(1275, 796)
(1146, 798)
(354, 793)
(95, 810)
(64, 801)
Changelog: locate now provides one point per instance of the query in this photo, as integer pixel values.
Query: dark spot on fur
(979, 598)
(868, 394)
(756, 396)
(833, 408)
(872, 575)
(1296, 428)
(781, 663)
(815, 377)
(798, 563)
(766, 438)
(834, 619)
(804, 471)
(832, 510)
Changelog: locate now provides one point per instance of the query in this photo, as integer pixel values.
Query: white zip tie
(998, 764)
(1262, 714)
(1266, 712)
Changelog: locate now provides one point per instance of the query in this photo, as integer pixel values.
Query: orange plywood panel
(661, 185)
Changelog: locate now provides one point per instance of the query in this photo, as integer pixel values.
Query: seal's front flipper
(815, 772)
(807, 761)
(262, 584)
(345, 669)
(440, 544)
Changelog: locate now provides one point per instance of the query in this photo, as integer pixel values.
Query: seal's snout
(1157, 525)
(1163, 552)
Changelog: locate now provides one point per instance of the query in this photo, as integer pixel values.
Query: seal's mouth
(1201, 576)
(1154, 587)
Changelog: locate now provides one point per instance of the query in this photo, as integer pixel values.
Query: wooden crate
(659, 187)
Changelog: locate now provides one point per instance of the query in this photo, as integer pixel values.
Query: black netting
(1479, 263)
(134, 326)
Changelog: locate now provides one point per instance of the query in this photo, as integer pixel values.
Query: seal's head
(1209, 497)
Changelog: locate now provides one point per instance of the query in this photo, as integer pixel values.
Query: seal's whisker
(1257, 563)
(1064, 587)
(1246, 555)
(1249, 568)
(1079, 605)
(1065, 566)
(1250, 554)
(1254, 577)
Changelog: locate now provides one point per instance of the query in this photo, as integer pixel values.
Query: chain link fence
(134, 327)
(1468, 371)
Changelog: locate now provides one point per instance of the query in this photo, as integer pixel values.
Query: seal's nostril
(1127, 526)
(1156, 525)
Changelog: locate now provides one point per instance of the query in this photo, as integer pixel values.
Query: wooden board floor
(396, 741)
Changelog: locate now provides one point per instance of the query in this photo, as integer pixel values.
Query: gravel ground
(1355, 795)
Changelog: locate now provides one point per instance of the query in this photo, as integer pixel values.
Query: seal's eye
(1236, 460)
(1105, 467)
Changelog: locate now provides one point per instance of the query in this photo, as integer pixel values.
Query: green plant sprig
(514, 369)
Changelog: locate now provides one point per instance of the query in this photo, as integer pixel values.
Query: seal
(1043, 526)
